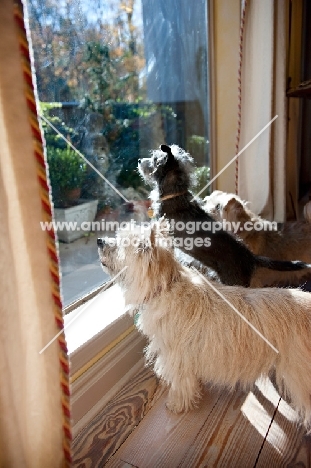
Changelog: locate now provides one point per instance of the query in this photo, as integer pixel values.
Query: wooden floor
(227, 430)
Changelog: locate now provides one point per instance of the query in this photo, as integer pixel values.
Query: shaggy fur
(196, 338)
(170, 171)
(291, 241)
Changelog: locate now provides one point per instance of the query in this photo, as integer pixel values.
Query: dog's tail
(281, 265)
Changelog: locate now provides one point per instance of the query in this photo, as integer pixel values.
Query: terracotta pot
(72, 196)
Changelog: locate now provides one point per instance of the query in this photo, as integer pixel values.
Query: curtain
(34, 393)
(261, 169)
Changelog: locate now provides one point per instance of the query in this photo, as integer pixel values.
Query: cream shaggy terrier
(195, 337)
(291, 241)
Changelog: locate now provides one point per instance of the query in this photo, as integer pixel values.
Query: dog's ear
(166, 149)
(236, 210)
(234, 204)
(231, 202)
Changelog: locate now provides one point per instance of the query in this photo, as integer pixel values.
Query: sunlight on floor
(270, 393)
(260, 418)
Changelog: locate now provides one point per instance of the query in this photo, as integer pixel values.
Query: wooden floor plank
(228, 439)
(226, 431)
(290, 450)
(285, 436)
(303, 455)
(235, 440)
(93, 446)
(116, 463)
(284, 440)
(127, 465)
(162, 438)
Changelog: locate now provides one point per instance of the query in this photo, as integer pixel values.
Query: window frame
(131, 345)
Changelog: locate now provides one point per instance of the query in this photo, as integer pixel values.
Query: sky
(108, 8)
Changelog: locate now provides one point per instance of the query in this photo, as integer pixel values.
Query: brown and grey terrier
(288, 241)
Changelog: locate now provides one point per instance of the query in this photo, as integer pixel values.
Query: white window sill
(92, 317)
(105, 351)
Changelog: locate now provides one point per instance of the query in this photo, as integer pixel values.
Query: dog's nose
(139, 161)
(100, 242)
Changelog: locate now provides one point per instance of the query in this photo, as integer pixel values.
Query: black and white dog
(170, 171)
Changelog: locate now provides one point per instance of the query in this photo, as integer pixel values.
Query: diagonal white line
(82, 310)
(235, 309)
(235, 157)
(83, 157)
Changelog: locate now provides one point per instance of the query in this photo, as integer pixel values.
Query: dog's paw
(176, 406)
(173, 407)
(184, 399)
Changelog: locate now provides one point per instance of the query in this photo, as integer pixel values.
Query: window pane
(116, 78)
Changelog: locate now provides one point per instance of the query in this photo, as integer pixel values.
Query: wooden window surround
(105, 351)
